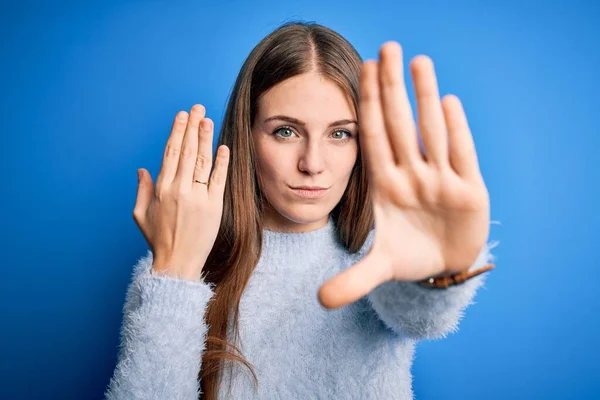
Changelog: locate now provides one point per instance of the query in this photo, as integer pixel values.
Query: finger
(144, 195)
(355, 282)
(219, 175)
(462, 153)
(399, 121)
(373, 139)
(204, 156)
(189, 147)
(429, 110)
(168, 168)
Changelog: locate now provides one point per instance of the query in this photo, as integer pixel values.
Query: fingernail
(206, 124)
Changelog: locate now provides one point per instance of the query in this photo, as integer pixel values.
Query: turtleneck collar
(299, 244)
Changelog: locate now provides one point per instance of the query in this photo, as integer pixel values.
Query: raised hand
(431, 210)
(180, 217)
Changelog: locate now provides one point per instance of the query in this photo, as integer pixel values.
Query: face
(305, 135)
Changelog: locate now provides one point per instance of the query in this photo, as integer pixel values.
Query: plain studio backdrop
(89, 91)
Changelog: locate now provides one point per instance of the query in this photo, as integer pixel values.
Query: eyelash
(348, 133)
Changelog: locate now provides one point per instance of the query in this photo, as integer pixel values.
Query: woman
(258, 283)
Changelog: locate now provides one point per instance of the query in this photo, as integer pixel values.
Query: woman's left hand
(432, 210)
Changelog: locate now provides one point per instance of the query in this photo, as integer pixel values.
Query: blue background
(89, 91)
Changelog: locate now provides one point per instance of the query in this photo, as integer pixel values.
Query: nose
(312, 159)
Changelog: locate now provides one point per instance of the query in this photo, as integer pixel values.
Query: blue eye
(283, 128)
(348, 135)
(338, 135)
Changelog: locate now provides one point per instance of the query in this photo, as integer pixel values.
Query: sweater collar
(299, 244)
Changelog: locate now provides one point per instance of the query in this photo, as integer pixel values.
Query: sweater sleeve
(419, 312)
(163, 336)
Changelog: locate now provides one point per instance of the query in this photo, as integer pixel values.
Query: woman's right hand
(180, 218)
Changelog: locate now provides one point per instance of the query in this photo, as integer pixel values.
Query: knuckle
(391, 80)
(217, 179)
(136, 215)
(219, 176)
(187, 152)
(202, 162)
(171, 151)
(183, 192)
(185, 200)
(162, 194)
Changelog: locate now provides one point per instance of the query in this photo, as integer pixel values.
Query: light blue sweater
(299, 349)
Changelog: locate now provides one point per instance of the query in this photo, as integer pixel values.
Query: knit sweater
(298, 349)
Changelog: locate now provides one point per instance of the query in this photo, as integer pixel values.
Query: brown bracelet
(444, 282)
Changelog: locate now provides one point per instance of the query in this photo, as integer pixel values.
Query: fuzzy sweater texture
(299, 350)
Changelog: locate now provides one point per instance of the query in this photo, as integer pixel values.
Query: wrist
(177, 270)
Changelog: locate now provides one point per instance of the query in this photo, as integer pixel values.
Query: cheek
(271, 164)
(343, 163)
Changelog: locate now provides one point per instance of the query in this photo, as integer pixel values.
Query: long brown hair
(292, 49)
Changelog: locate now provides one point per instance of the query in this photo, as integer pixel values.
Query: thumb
(144, 192)
(355, 282)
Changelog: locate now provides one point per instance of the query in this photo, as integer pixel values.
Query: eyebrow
(301, 123)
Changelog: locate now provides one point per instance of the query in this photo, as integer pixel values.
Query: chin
(306, 214)
(305, 218)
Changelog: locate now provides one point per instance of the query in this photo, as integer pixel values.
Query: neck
(275, 222)
(298, 245)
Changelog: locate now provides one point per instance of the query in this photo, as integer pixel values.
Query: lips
(309, 187)
(309, 192)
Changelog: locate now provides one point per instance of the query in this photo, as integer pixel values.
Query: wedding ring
(197, 181)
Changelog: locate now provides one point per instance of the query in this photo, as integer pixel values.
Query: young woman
(265, 276)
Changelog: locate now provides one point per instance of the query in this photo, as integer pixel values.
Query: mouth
(309, 187)
(309, 192)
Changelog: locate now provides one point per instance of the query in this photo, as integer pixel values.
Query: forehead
(309, 97)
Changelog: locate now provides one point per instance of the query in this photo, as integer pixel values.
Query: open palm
(432, 210)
